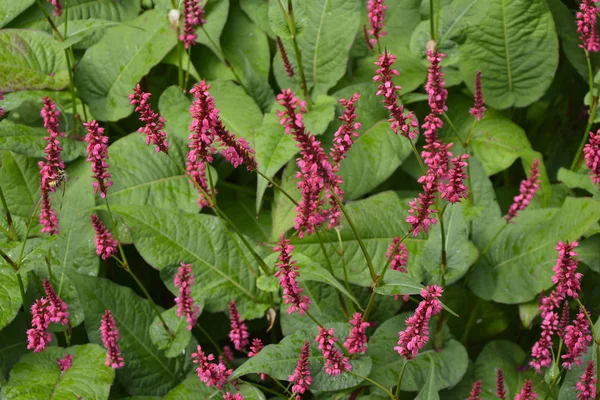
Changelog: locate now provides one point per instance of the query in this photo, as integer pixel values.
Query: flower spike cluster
(193, 18)
(184, 279)
(356, 342)
(376, 10)
(209, 372)
(527, 392)
(155, 123)
(455, 189)
(58, 309)
(65, 363)
(255, 348)
(500, 389)
(475, 391)
(577, 339)
(57, 11)
(110, 335)
(239, 331)
(586, 387)
(587, 26)
(399, 255)
(289, 70)
(287, 272)
(527, 190)
(301, 378)
(401, 123)
(335, 362)
(38, 336)
(592, 156)
(435, 83)
(106, 245)
(229, 396)
(416, 334)
(343, 137)
(478, 109)
(97, 150)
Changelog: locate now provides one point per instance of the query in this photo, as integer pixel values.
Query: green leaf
(10, 9)
(280, 360)
(284, 210)
(13, 344)
(191, 388)
(141, 176)
(398, 283)
(216, 16)
(278, 22)
(429, 391)
(37, 375)
(317, 119)
(589, 252)
(258, 12)
(178, 327)
(174, 106)
(401, 19)
(20, 183)
(486, 210)
(147, 370)
(577, 180)
(518, 264)
(239, 206)
(31, 60)
(451, 361)
(28, 141)
(166, 238)
(504, 355)
(10, 295)
(378, 220)
(267, 283)
(460, 253)
(110, 69)
(324, 43)
(528, 311)
(80, 29)
(516, 48)
(250, 392)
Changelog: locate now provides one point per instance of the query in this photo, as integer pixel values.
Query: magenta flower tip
(301, 378)
(435, 83)
(210, 372)
(455, 189)
(154, 128)
(577, 338)
(239, 331)
(335, 362)
(106, 245)
(193, 18)
(287, 272)
(57, 309)
(586, 387)
(289, 70)
(478, 109)
(65, 363)
(527, 392)
(37, 336)
(592, 156)
(587, 26)
(500, 389)
(356, 342)
(376, 13)
(475, 391)
(97, 150)
(399, 255)
(229, 396)
(527, 190)
(110, 335)
(184, 280)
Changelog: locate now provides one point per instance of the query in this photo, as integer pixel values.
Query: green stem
(346, 280)
(269, 390)
(272, 182)
(13, 233)
(390, 394)
(180, 80)
(465, 335)
(187, 70)
(29, 226)
(418, 157)
(592, 116)
(49, 19)
(357, 235)
(487, 247)
(444, 264)
(210, 339)
(400, 376)
(449, 121)
(431, 20)
(224, 60)
(587, 315)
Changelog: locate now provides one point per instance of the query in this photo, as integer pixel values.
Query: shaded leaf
(178, 327)
(13, 344)
(78, 30)
(20, 183)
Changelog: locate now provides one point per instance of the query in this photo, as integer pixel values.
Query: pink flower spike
(416, 334)
(420, 209)
(376, 15)
(399, 255)
(500, 389)
(110, 335)
(586, 26)
(301, 377)
(335, 362)
(239, 332)
(256, 347)
(227, 354)
(577, 339)
(48, 218)
(229, 396)
(455, 189)
(342, 141)
(586, 387)
(184, 280)
(527, 392)
(287, 272)
(58, 309)
(356, 342)
(209, 372)
(65, 363)
(478, 109)
(155, 123)
(106, 245)
(475, 391)
(37, 336)
(565, 276)
(57, 12)
(50, 115)
(527, 190)
(542, 349)
(2, 112)
(97, 150)
(193, 18)
(592, 156)
(435, 83)
(289, 70)
(404, 124)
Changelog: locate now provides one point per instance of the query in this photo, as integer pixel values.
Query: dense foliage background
(536, 86)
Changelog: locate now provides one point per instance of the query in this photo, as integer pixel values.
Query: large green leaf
(166, 238)
(284, 210)
(516, 48)
(589, 252)
(31, 60)
(258, 11)
(110, 69)
(10, 295)
(191, 388)
(178, 326)
(280, 360)
(78, 30)
(37, 376)
(324, 43)
(216, 16)
(10, 9)
(378, 220)
(28, 141)
(429, 391)
(451, 362)
(13, 344)
(20, 183)
(518, 264)
(141, 176)
(147, 370)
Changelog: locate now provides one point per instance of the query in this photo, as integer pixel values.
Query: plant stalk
(591, 117)
(11, 227)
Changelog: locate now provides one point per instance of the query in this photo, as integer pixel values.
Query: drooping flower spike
(287, 272)
(193, 18)
(587, 26)
(301, 378)
(210, 372)
(478, 109)
(527, 190)
(186, 306)
(155, 123)
(289, 70)
(401, 123)
(586, 387)
(110, 335)
(58, 309)
(97, 150)
(592, 156)
(335, 362)
(106, 244)
(356, 342)
(239, 331)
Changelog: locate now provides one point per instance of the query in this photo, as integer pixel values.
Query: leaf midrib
(508, 66)
(316, 55)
